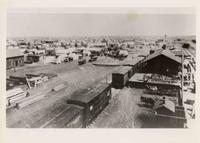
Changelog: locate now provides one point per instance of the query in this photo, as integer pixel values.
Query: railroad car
(93, 101)
(120, 78)
(72, 117)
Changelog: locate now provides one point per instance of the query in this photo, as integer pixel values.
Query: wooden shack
(33, 58)
(170, 115)
(93, 101)
(14, 58)
(120, 77)
(50, 51)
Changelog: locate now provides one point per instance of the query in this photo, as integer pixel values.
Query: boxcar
(93, 101)
(72, 117)
(120, 78)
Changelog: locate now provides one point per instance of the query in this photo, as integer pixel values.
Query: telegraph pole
(182, 78)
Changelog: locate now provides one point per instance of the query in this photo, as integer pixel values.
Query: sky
(80, 24)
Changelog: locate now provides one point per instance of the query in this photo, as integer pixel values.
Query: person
(27, 93)
(9, 102)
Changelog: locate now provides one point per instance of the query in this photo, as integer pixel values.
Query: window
(16, 63)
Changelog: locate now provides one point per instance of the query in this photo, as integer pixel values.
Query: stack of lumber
(29, 100)
(49, 75)
(15, 95)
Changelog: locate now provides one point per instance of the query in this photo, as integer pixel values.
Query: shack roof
(166, 53)
(123, 70)
(10, 53)
(168, 104)
(87, 95)
(180, 52)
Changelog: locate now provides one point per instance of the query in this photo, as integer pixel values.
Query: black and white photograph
(100, 69)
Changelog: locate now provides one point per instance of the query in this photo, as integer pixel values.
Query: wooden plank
(14, 92)
(17, 99)
(16, 96)
(28, 101)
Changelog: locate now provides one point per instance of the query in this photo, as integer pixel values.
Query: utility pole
(182, 78)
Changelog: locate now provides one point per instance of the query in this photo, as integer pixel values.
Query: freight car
(120, 78)
(93, 101)
(71, 117)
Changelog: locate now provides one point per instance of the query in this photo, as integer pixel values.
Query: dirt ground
(74, 77)
(124, 111)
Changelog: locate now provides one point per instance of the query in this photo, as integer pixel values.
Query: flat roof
(10, 53)
(139, 77)
(86, 95)
(123, 70)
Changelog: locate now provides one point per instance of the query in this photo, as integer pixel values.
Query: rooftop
(13, 53)
(170, 105)
(85, 96)
(123, 70)
(166, 53)
(154, 78)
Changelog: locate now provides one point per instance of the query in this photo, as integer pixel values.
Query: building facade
(14, 58)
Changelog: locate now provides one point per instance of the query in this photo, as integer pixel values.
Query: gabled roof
(179, 53)
(170, 105)
(166, 53)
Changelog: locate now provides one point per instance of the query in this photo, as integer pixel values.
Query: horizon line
(100, 36)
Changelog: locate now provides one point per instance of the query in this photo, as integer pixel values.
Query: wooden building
(33, 58)
(162, 62)
(169, 114)
(14, 58)
(50, 51)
